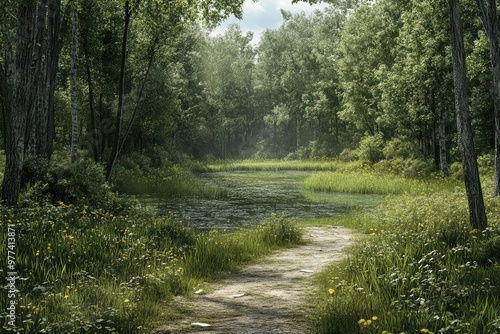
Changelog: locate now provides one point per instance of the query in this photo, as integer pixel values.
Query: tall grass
(373, 183)
(88, 270)
(420, 269)
(276, 165)
(168, 182)
(218, 254)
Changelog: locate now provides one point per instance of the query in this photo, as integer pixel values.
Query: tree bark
(442, 144)
(490, 22)
(20, 103)
(74, 98)
(121, 93)
(94, 137)
(36, 116)
(47, 133)
(469, 162)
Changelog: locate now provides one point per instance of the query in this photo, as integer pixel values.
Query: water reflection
(253, 196)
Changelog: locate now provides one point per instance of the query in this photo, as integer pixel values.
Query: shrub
(401, 148)
(81, 182)
(371, 148)
(280, 231)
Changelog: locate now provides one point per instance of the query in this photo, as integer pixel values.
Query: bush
(81, 182)
(280, 231)
(371, 148)
(486, 164)
(401, 148)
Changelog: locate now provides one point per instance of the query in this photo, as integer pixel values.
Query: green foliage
(400, 148)
(371, 148)
(280, 231)
(90, 270)
(86, 269)
(421, 268)
(80, 183)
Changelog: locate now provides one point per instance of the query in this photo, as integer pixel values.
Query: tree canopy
(366, 80)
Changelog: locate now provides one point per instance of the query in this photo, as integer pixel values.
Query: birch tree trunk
(469, 162)
(74, 99)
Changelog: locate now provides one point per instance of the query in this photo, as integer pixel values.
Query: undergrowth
(83, 269)
(420, 269)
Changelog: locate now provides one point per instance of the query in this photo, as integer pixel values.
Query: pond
(254, 196)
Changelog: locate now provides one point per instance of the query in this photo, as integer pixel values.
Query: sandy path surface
(275, 291)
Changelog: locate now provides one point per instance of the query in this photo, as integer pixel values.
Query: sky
(265, 14)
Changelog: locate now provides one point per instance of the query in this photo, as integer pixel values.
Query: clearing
(276, 290)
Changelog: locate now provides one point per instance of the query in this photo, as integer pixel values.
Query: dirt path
(275, 291)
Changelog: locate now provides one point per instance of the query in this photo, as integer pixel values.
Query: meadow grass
(218, 254)
(167, 182)
(419, 269)
(373, 183)
(89, 270)
(275, 165)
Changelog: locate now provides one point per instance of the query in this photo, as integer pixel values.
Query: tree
(178, 13)
(74, 88)
(488, 13)
(473, 188)
(415, 94)
(17, 98)
(366, 48)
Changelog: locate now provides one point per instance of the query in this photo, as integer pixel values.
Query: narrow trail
(275, 291)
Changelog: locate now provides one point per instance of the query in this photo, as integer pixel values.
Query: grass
(175, 181)
(89, 270)
(276, 165)
(420, 269)
(358, 182)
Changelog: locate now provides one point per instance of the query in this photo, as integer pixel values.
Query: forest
(118, 80)
(104, 102)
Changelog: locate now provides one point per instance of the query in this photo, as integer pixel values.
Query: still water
(254, 196)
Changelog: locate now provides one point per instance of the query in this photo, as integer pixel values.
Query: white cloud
(265, 14)
(250, 7)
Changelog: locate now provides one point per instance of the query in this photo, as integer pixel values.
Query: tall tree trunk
(18, 104)
(151, 57)
(74, 99)
(94, 138)
(442, 144)
(47, 132)
(490, 22)
(121, 93)
(469, 162)
(37, 112)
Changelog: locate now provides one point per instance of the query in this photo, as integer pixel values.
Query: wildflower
(126, 300)
(367, 323)
(331, 291)
(361, 321)
(374, 318)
